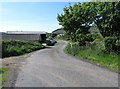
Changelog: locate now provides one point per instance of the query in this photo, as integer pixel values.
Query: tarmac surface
(51, 67)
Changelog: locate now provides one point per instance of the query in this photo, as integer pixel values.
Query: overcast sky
(30, 16)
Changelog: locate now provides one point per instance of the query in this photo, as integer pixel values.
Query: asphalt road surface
(50, 67)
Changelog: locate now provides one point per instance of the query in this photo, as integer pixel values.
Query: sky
(30, 16)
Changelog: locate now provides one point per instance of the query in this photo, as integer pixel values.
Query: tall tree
(75, 19)
(106, 16)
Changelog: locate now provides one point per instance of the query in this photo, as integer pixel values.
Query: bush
(83, 38)
(91, 37)
(112, 44)
(15, 47)
(98, 44)
(117, 47)
(72, 48)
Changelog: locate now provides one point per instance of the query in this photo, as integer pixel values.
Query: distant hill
(93, 29)
(59, 31)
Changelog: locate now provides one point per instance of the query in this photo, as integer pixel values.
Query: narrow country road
(50, 67)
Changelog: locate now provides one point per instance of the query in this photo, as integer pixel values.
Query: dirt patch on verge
(13, 64)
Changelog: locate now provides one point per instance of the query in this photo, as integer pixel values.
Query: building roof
(26, 32)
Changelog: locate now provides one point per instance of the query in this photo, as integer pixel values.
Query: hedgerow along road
(51, 67)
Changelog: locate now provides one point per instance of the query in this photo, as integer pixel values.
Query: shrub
(112, 44)
(98, 44)
(15, 47)
(72, 48)
(83, 38)
(117, 48)
(91, 37)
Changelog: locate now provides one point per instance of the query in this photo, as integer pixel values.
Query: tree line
(77, 20)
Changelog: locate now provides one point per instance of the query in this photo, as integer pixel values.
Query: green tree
(53, 34)
(106, 16)
(75, 19)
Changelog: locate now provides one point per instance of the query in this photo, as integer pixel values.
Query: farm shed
(25, 35)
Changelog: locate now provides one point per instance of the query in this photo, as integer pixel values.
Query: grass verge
(3, 75)
(95, 56)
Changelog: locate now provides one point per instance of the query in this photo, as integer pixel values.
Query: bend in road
(50, 67)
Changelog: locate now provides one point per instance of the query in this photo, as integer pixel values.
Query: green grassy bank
(94, 55)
